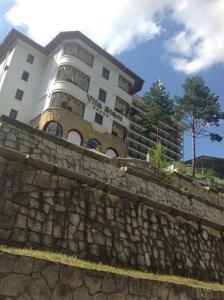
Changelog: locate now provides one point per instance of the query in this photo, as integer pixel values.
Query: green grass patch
(74, 261)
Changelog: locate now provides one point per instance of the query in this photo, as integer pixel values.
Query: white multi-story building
(71, 88)
(71, 80)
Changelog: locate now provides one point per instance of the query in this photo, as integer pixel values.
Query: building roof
(205, 157)
(14, 35)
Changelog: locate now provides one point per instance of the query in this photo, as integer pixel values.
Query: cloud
(115, 25)
(120, 25)
(200, 44)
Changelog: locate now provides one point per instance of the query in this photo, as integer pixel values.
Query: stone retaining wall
(23, 277)
(197, 202)
(68, 198)
(45, 210)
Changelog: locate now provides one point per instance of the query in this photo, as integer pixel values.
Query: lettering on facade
(105, 108)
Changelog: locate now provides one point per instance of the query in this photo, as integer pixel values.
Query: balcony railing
(66, 101)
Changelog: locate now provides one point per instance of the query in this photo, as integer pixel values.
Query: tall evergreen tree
(159, 107)
(200, 109)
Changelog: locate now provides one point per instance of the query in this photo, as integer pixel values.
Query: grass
(74, 261)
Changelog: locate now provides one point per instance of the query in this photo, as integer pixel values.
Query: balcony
(66, 101)
(122, 107)
(119, 131)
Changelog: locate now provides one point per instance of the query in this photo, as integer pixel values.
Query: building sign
(104, 108)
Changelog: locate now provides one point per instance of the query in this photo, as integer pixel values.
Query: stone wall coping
(96, 183)
(135, 172)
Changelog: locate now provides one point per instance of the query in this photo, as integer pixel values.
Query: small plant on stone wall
(99, 148)
(156, 158)
(184, 190)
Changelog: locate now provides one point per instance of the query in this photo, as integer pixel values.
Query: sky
(158, 39)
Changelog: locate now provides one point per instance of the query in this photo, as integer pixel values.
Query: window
(75, 137)
(98, 119)
(119, 130)
(30, 59)
(122, 107)
(19, 94)
(78, 51)
(105, 73)
(124, 84)
(68, 102)
(53, 128)
(13, 114)
(25, 76)
(93, 144)
(73, 75)
(102, 95)
(85, 56)
(111, 152)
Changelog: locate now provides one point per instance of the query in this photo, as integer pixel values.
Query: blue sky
(163, 39)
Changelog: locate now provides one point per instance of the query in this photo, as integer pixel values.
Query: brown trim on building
(67, 35)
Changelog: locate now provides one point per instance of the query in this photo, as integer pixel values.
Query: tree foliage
(159, 107)
(200, 110)
(157, 157)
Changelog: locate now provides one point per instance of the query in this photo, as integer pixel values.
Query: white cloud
(200, 44)
(119, 25)
(115, 25)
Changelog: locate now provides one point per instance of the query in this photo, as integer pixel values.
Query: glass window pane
(54, 128)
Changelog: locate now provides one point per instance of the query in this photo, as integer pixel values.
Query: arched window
(93, 144)
(111, 152)
(53, 128)
(75, 137)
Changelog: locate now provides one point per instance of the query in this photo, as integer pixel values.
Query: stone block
(62, 292)
(71, 277)
(93, 284)
(109, 285)
(14, 284)
(57, 232)
(82, 293)
(5, 234)
(47, 227)
(28, 176)
(51, 273)
(21, 221)
(7, 263)
(34, 225)
(39, 290)
(19, 235)
(74, 219)
(11, 208)
(24, 265)
(42, 180)
(34, 237)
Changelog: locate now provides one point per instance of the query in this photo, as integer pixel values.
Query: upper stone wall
(121, 173)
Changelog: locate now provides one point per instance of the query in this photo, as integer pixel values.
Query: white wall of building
(42, 83)
(13, 81)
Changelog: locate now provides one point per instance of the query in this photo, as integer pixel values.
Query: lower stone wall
(26, 278)
(44, 210)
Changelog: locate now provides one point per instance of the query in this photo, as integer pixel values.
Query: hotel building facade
(75, 90)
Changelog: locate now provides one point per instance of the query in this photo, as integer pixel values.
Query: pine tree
(159, 108)
(200, 109)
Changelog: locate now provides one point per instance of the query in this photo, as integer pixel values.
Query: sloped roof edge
(14, 34)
